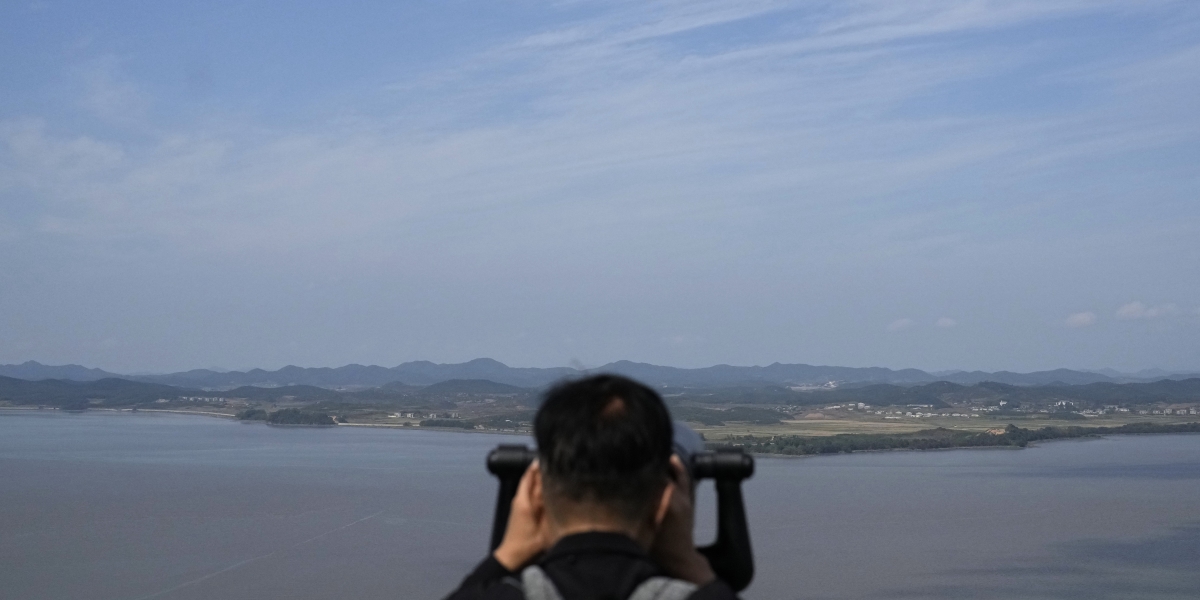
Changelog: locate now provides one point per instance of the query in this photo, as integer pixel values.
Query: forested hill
(423, 373)
(59, 392)
(121, 392)
(34, 371)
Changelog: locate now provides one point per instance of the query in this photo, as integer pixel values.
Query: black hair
(605, 439)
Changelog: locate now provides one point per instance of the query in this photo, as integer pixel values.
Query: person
(605, 511)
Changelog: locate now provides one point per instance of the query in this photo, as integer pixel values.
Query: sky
(958, 184)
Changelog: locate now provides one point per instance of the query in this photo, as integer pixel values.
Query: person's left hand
(674, 549)
(526, 535)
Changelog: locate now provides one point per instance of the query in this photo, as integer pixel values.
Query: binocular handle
(730, 556)
(508, 463)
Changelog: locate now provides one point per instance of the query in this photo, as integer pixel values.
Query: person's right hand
(526, 535)
(674, 549)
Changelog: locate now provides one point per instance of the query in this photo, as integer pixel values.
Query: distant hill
(299, 392)
(33, 370)
(777, 373)
(411, 373)
(425, 373)
(348, 375)
(124, 392)
(473, 386)
(1063, 376)
(56, 392)
(936, 394)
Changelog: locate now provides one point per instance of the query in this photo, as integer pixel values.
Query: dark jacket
(584, 566)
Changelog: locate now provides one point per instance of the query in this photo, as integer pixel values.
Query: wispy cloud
(109, 94)
(623, 99)
(1137, 310)
(1081, 319)
(663, 144)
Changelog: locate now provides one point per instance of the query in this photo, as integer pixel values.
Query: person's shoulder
(669, 588)
(714, 590)
(504, 589)
(508, 588)
(663, 588)
(489, 581)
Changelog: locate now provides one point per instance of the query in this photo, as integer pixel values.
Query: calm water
(134, 507)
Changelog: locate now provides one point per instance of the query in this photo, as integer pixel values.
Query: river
(136, 506)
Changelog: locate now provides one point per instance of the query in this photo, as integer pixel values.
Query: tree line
(939, 438)
(287, 416)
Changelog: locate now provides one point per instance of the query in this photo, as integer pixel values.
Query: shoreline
(1012, 437)
(980, 448)
(233, 417)
(449, 429)
(120, 410)
(1031, 443)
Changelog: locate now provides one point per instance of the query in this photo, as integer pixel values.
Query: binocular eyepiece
(509, 460)
(730, 555)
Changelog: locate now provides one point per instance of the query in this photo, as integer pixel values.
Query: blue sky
(934, 184)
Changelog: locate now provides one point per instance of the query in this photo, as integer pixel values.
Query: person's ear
(664, 503)
(536, 499)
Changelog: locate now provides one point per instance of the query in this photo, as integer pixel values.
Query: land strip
(940, 438)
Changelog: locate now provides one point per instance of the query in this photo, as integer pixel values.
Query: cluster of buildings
(203, 399)
(850, 406)
(1171, 410)
(896, 414)
(417, 414)
(924, 411)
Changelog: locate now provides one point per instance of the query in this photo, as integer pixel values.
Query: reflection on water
(148, 506)
(1159, 566)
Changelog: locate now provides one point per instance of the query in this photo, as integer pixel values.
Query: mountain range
(424, 373)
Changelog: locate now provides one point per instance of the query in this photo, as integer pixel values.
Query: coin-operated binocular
(730, 555)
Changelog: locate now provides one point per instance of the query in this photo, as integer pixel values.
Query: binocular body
(730, 555)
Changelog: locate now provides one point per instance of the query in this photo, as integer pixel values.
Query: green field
(827, 427)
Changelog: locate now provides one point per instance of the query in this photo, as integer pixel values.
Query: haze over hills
(33, 370)
(424, 373)
(117, 393)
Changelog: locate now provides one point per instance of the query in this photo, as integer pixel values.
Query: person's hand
(674, 549)
(526, 536)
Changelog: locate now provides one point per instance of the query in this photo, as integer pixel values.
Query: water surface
(105, 506)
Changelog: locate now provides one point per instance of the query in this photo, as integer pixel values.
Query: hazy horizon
(1002, 185)
(584, 367)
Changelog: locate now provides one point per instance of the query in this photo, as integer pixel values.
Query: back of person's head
(604, 441)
